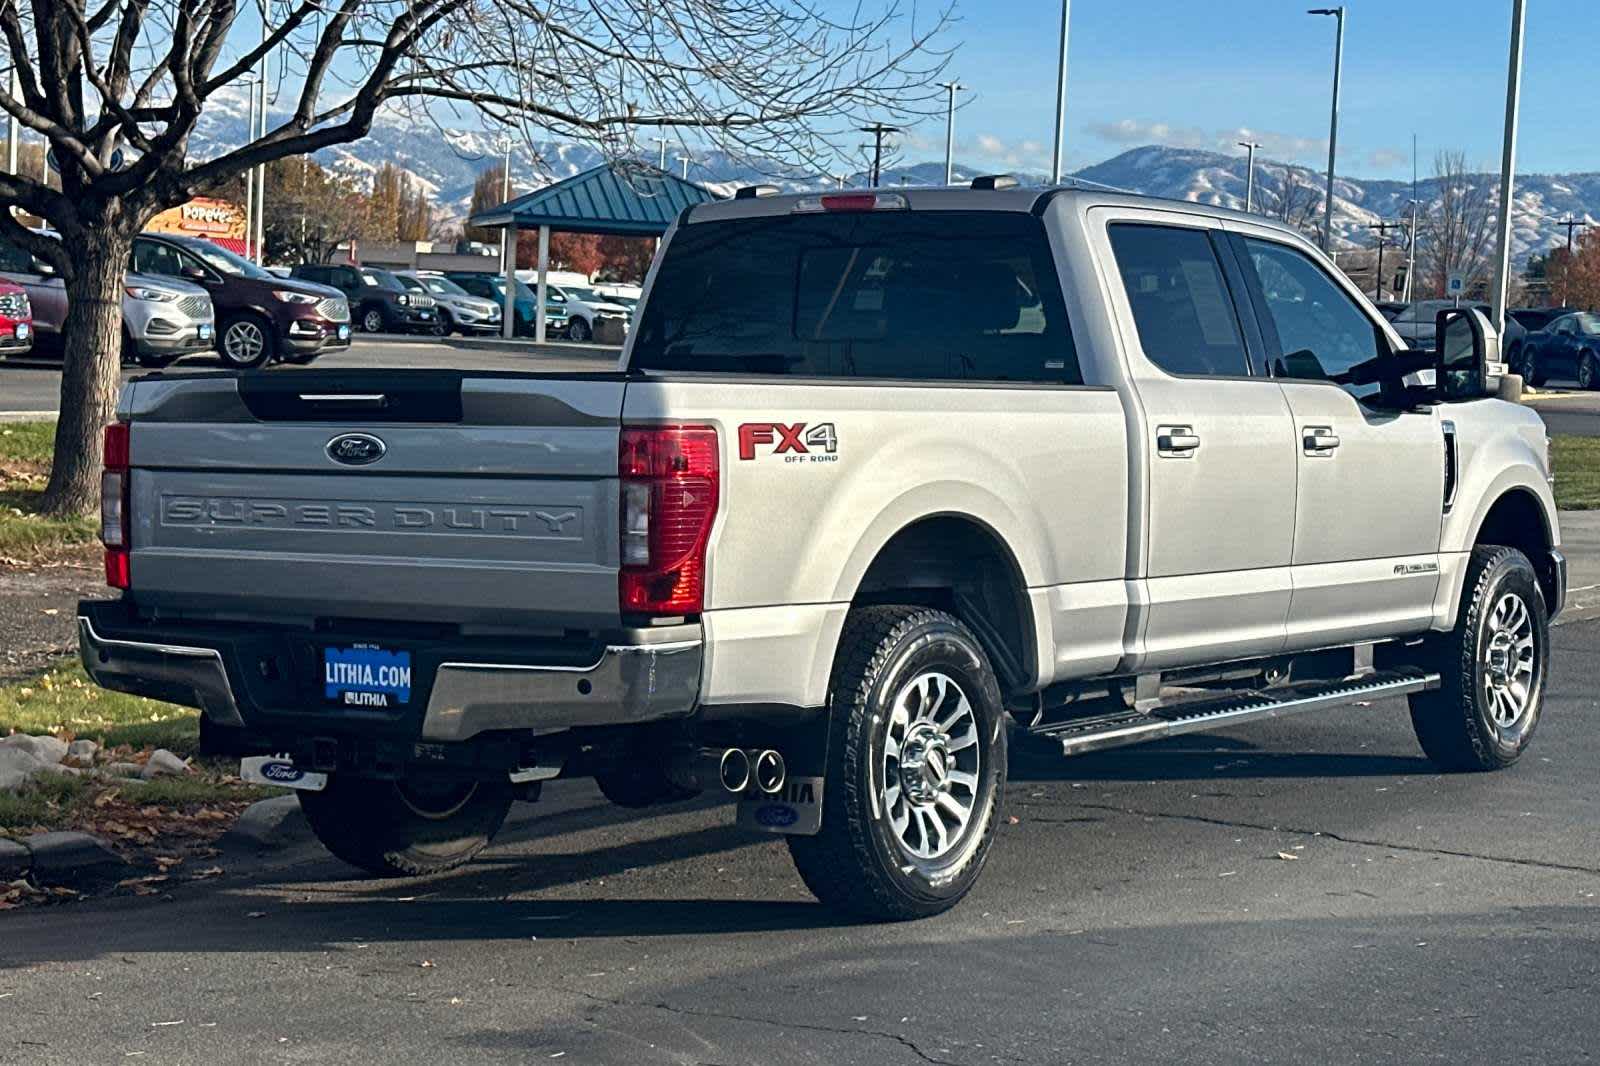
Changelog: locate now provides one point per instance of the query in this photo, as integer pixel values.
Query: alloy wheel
(1510, 661)
(931, 765)
(244, 343)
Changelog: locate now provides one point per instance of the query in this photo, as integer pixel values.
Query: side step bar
(1194, 716)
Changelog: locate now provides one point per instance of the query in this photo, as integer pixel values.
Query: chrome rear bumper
(657, 678)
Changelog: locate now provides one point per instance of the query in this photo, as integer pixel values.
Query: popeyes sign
(201, 217)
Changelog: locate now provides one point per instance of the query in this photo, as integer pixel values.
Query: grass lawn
(26, 536)
(63, 700)
(1577, 469)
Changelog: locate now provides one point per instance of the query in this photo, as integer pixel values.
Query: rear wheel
(1492, 668)
(1588, 371)
(399, 828)
(247, 342)
(916, 765)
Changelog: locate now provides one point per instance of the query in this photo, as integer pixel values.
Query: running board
(1194, 716)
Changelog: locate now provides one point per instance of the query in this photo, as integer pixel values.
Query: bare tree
(1456, 231)
(110, 80)
(1296, 202)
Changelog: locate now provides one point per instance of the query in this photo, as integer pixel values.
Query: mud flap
(797, 807)
(280, 772)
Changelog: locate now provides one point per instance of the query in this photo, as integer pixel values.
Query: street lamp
(1061, 93)
(1333, 122)
(950, 129)
(1250, 175)
(1508, 163)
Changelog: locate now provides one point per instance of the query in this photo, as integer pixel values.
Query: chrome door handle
(1176, 442)
(1319, 440)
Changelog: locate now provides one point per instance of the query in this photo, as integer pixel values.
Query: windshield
(411, 283)
(381, 279)
(586, 295)
(223, 261)
(444, 287)
(940, 296)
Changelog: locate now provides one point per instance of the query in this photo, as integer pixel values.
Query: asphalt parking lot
(1141, 908)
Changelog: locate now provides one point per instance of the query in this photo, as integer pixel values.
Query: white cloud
(1025, 154)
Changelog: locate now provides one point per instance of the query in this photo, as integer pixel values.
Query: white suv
(587, 310)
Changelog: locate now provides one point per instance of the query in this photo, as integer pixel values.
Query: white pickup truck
(881, 478)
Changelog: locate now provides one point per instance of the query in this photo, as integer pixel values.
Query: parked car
(589, 313)
(525, 302)
(163, 319)
(16, 320)
(1532, 318)
(459, 310)
(935, 467)
(379, 302)
(262, 317)
(1415, 324)
(1568, 348)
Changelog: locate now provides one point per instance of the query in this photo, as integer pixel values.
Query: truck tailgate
(476, 500)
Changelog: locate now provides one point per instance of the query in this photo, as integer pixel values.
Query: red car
(16, 319)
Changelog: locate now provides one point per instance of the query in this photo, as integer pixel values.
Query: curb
(269, 825)
(65, 859)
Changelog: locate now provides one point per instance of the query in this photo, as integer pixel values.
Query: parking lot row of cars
(186, 295)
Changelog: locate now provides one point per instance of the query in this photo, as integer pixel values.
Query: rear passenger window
(938, 295)
(1180, 300)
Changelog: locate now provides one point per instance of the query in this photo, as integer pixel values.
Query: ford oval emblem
(356, 449)
(777, 816)
(281, 771)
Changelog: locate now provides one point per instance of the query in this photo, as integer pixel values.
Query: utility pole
(1061, 94)
(1383, 229)
(1508, 164)
(952, 87)
(1571, 224)
(1333, 122)
(1250, 176)
(878, 131)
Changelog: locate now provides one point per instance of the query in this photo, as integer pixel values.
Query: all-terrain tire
(392, 829)
(860, 862)
(1460, 725)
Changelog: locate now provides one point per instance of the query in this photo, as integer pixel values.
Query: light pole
(1508, 166)
(1061, 93)
(952, 87)
(1250, 176)
(661, 154)
(685, 161)
(250, 175)
(11, 127)
(1411, 251)
(1333, 122)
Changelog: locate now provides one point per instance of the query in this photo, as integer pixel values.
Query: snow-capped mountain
(447, 160)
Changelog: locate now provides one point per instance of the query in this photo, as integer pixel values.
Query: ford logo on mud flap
(356, 449)
(280, 771)
(777, 816)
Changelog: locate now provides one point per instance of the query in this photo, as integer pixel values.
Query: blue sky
(1192, 73)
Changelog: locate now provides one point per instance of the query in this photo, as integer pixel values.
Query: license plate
(365, 675)
(344, 332)
(205, 332)
(23, 329)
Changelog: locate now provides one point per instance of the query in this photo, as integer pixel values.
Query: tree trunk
(91, 369)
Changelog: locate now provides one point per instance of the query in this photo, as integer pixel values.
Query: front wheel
(578, 330)
(373, 320)
(400, 828)
(1492, 668)
(916, 765)
(246, 343)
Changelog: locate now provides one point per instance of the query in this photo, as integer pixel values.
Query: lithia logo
(797, 443)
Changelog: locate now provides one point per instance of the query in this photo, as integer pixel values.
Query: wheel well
(1517, 521)
(961, 566)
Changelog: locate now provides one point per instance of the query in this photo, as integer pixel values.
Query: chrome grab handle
(1176, 442)
(1319, 440)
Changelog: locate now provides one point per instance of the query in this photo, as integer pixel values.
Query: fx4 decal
(797, 443)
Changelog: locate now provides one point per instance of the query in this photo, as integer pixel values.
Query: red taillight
(670, 486)
(114, 505)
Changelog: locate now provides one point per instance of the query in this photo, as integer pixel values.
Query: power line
(1383, 229)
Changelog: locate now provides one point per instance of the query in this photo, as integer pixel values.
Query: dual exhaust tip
(737, 769)
(734, 769)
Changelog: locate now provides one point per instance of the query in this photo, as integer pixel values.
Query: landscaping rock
(161, 762)
(271, 823)
(18, 766)
(45, 749)
(15, 860)
(82, 749)
(122, 770)
(72, 858)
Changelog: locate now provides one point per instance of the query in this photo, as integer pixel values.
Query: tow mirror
(1468, 361)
